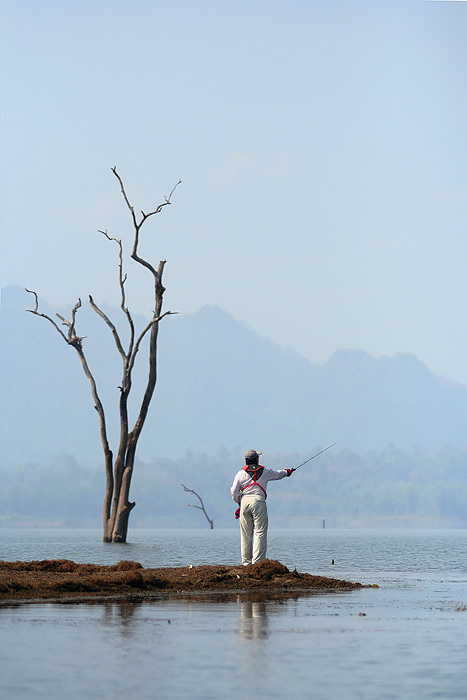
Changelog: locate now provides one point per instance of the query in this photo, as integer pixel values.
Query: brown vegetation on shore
(65, 580)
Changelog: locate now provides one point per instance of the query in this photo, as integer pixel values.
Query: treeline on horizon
(341, 487)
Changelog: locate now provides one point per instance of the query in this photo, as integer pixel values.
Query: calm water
(406, 639)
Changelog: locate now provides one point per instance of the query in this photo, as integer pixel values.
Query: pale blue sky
(322, 148)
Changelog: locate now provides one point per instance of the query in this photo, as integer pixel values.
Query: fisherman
(249, 490)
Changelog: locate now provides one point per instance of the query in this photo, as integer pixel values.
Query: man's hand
(237, 513)
(289, 471)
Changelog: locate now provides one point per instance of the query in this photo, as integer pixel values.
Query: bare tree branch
(110, 325)
(164, 204)
(73, 338)
(143, 333)
(145, 216)
(36, 312)
(122, 279)
(29, 291)
(201, 507)
(137, 225)
(114, 170)
(76, 341)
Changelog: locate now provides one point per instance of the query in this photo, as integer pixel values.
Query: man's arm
(273, 475)
(236, 490)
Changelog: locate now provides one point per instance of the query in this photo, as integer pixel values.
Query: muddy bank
(64, 579)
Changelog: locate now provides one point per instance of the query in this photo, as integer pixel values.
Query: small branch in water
(201, 507)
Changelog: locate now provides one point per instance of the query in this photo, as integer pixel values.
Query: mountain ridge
(220, 384)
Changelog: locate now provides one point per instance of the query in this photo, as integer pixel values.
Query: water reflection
(254, 619)
(254, 609)
(121, 613)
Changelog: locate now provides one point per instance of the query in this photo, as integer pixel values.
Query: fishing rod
(316, 455)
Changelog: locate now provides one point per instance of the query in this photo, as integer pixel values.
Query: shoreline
(64, 581)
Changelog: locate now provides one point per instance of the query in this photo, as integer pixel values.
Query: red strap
(254, 482)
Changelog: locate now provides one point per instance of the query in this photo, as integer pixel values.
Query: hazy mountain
(220, 384)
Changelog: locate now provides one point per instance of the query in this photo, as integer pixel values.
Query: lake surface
(406, 639)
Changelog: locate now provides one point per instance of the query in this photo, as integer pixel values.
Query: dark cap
(252, 455)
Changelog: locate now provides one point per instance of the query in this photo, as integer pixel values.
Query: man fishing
(249, 490)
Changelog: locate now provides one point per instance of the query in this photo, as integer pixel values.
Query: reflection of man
(249, 490)
(254, 620)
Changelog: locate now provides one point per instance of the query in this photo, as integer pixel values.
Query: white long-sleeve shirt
(242, 479)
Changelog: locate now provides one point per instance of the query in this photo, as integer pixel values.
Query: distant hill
(220, 385)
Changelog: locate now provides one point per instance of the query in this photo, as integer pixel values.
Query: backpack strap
(253, 474)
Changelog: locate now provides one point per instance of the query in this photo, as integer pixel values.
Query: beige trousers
(253, 529)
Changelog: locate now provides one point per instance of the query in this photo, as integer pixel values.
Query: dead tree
(119, 471)
(201, 507)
